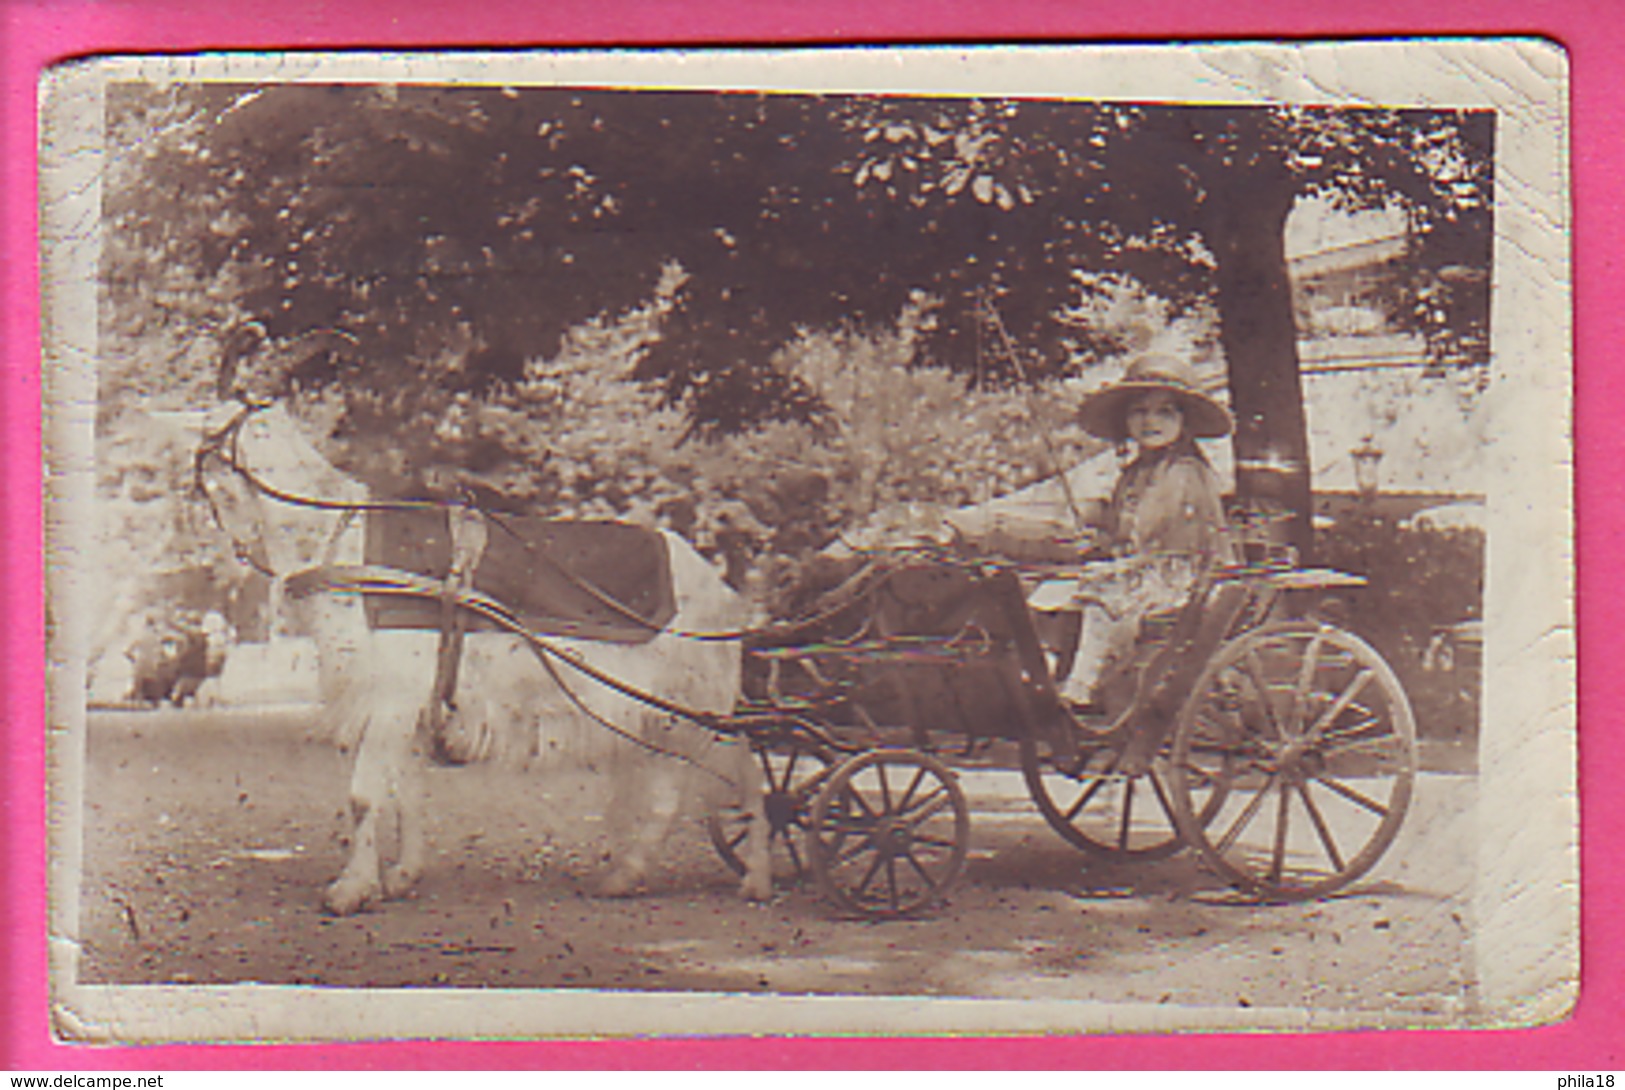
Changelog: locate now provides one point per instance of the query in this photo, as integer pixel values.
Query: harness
(469, 530)
(371, 579)
(223, 445)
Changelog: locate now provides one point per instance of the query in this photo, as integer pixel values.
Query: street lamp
(1366, 457)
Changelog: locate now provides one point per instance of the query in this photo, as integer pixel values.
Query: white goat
(376, 685)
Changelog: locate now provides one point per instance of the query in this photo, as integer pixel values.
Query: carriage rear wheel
(1095, 805)
(790, 780)
(891, 829)
(1313, 738)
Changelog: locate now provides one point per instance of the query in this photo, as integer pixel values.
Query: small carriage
(1282, 751)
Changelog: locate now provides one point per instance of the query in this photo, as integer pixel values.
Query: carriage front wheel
(891, 829)
(1311, 735)
(790, 781)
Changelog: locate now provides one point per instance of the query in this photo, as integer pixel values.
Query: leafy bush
(579, 435)
(1420, 581)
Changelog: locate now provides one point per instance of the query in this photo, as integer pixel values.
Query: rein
(224, 445)
(457, 595)
(372, 579)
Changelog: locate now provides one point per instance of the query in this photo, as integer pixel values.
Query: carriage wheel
(1313, 735)
(891, 830)
(790, 780)
(1098, 807)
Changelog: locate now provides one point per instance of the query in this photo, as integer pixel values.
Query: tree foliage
(420, 256)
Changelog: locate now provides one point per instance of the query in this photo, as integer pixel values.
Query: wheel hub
(892, 838)
(781, 808)
(1299, 757)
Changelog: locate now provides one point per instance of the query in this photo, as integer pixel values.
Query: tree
(1195, 200)
(419, 247)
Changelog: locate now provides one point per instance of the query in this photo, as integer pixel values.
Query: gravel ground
(209, 836)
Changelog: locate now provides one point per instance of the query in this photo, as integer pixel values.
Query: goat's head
(227, 484)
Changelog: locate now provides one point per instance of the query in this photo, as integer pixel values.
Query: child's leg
(1115, 602)
(1100, 598)
(1104, 644)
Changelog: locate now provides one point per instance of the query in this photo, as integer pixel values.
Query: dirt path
(209, 837)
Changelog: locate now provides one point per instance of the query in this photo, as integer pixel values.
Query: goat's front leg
(406, 807)
(359, 884)
(757, 850)
(646, 798)
(384, 764)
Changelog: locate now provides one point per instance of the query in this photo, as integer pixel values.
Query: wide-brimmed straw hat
(1104, 413)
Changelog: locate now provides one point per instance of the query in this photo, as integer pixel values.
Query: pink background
(37, 33)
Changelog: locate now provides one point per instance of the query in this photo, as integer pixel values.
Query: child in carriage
(1162, 527)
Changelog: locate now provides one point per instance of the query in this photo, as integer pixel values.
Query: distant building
(1365, 380)
(1339, 293)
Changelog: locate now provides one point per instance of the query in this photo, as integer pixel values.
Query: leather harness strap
(469, 536)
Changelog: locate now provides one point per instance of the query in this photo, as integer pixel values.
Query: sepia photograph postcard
(937, 540)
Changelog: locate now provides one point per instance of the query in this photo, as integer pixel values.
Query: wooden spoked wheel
(1096, 805)
(891, 830)
(790, 781)
(1312, 737)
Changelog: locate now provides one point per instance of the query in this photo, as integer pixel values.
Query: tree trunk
(1245, 229)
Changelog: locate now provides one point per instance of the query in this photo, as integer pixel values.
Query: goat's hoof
(619, 884)
(398, 881)
(347, 898)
